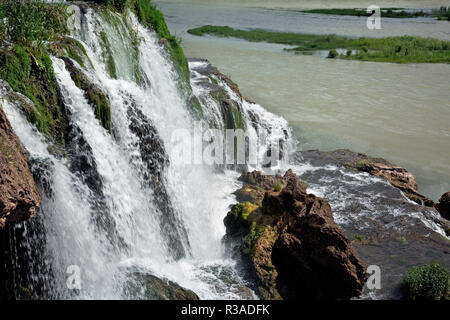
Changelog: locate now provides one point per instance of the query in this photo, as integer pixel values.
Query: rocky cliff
(19, 196)
(289, 240)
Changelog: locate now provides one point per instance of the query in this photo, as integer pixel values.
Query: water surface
(397, 111)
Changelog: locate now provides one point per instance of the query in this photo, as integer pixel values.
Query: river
(400, 112)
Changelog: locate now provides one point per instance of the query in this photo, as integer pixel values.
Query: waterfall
(117, 202)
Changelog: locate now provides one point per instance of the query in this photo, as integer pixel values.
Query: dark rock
(444, 205)
(386, 229)
(294, 248)
(19, 195)
(145, 286)
(96, 97)
(155, 159)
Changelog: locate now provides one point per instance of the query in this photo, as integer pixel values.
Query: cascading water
(117, 204)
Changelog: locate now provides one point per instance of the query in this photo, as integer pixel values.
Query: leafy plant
(428, 282)
(332, 54)
(278, 186)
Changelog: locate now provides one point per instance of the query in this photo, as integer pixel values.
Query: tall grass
(30, 21)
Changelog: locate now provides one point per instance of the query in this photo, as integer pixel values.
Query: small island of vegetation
(402, 49)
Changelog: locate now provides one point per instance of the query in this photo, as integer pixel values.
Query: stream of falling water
(108, 218)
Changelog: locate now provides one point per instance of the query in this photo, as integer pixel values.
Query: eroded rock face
(444, 205)
(19, 196)
(294, 247)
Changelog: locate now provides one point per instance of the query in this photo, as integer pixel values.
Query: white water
(200, 195)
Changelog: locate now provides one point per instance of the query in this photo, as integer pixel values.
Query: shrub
(364, 49)
(348, 53)
(332, 54)
(278, 186)
(428, 282)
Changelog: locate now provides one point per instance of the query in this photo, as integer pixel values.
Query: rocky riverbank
(386, 227)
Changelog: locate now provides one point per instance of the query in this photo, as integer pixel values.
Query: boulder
(146, 286)
(294, 248)
(444, 205)
(19, 195)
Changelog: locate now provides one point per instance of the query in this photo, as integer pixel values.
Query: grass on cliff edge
(404, 49)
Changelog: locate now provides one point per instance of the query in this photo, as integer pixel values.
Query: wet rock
(398, 176)
(96, 97)
(210, 76)
(19, 196)
(444, 205)
(386, 229)
(145, 286)
(69, 47)
(290, 241)
(155, 159)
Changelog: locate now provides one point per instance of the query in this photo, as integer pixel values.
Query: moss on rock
(72, 48)
(93, 93)
(30, 72)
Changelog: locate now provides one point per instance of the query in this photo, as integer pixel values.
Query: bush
(278, 186)
(428, 282)
(365, 49)
(332, 54)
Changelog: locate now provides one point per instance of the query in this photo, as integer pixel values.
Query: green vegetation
(30, 72)
(428, 282)
(278, 186)
(385, 12)
(31, 22)
(253, 35)
(6, 151)
(404, 49)
(243, 210)
(443, 13)
(108, 55)
(71, 48)
(38, 29)
(27, 66)
(358, 237)
(332, 53)
(360, 164)
(257, 224)
(150, 16)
